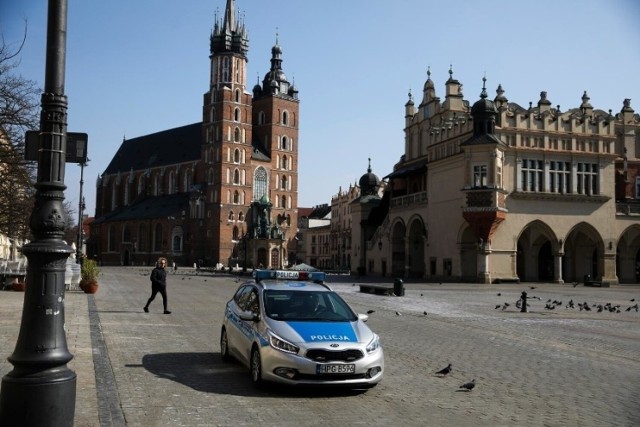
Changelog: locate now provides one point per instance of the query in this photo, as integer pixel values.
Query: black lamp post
(41, 389)
(81, 207)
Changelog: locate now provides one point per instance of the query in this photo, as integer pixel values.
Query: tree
(19, 108)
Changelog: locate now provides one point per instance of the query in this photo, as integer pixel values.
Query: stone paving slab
(560, 367)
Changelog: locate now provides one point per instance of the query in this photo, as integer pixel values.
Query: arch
(176, 240)
(236, 176)
(236, 114)
(157, 238)
(417, 234)
(536, 246)
(111, 238)
(285, 118)
(236, 155)
(584, 253)
(468, 243)
(284, 143)
(628, 255)
(275, 258)
(398, 256)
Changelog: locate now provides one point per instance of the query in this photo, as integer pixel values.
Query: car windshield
(307, 306)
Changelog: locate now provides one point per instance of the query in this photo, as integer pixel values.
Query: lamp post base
(22, 398)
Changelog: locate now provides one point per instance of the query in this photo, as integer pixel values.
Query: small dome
(276, 50)
(369, 182)
(483, 106)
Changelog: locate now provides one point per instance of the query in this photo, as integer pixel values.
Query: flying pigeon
(370, 311)
(469, 386)
(444, 371)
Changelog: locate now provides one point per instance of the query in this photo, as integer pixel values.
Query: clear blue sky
(136, 67)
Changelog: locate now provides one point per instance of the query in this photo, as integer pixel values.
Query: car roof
(291, 280)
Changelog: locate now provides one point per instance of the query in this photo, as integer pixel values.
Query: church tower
(227, 135)
(275, 133)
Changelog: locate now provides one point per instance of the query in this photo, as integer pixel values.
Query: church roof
(168, 147)
(154, 207)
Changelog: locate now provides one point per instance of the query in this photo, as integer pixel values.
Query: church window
(236, 197)
(225, 69)
(285, 143)
(236, 234)
(236, 115)
(283, 182)
(260, 183)
(236, 176)
(237, 95)
(236, 156)
(284, 163)
(231, 216)
(236, 135)
(285, 118)
(284, 202)
(261, 118)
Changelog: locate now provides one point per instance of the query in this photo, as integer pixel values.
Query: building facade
(218, 192)
(493, 191)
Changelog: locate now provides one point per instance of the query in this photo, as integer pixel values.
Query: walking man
(159, 284)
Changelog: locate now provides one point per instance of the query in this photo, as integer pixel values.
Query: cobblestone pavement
(560, 367)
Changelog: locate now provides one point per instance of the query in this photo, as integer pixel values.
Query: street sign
(76, 146)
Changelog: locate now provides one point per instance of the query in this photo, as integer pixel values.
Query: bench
(377, 289)
(596, 283)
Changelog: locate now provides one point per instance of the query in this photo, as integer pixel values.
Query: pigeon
(532, 287)
(444, 371)
(398, 313)
(506, 304)
(632, 299)
(424, 312)
(498, 306)
(575, 284)
(370, 311)
(421, 295)
(469, 386)
(499, 294)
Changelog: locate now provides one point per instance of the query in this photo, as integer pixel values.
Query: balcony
(410, 200)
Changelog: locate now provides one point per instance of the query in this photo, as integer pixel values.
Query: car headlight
(374, 344)
(281, 344)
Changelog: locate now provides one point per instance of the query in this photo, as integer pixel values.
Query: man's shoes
(167, 312)
(146, 309)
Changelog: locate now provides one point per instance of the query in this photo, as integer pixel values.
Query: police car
(290, 327)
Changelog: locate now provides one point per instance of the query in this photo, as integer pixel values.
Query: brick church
(220, 191)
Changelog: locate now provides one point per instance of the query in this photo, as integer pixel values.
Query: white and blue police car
(290, 327)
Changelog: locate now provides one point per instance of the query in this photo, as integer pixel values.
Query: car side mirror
(363, 317)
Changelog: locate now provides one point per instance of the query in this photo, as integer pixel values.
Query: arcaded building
(488, 190)
(222, 191)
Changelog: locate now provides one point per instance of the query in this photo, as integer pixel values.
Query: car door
(247, 324)
(234, 309)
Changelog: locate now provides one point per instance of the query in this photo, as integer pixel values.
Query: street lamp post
(41, 389)
(81, 207)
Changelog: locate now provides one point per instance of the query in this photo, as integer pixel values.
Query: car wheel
(256, 368)
(224, 345)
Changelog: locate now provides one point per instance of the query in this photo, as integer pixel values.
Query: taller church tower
(250, 152)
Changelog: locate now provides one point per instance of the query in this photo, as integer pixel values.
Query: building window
(587, 175)
(285, 143)
(283, 182)
(237, 95)
(236, 135)
(111, 239)
(531, 175)
(157, 238)
(259, 183)
(236, 197)
(285, 164)
(560, 177)
(236, 156)
(284, 202)
(285, 118)
(479, 176)
(261, 118)
(236, 176)
(236, 115)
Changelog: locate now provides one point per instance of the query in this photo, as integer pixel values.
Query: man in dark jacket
(159, 284)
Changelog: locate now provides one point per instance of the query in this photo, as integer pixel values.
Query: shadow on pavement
(207, 372)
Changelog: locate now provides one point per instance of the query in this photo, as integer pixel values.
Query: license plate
(336, 368)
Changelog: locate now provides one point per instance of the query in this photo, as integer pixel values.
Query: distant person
(159, 284)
